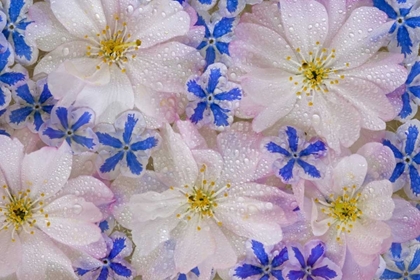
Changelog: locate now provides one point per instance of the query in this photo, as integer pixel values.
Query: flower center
(113, 46)
(342, 210)
(314, 72)
(19, 211)
(202, 202)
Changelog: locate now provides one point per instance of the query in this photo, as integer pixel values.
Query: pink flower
(109, 55)
(313, 65)
(40, 207)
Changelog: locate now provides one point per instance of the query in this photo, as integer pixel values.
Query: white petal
(376, 201)
(191, 135)
(11, 156)
(46, 170)
(224, 255)
(11, 253)
(350, 171)
(213, 162)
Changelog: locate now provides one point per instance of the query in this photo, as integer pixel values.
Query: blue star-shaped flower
(212, 97)
(73, 125)
(127, 144)
(8, 78)
(113, 265)
(407, 155)
(312, 266)
(299, 152)
(264, 265)
(411, 95)
(33, 105)
(405, 21)
(217, 36)
(15, 28)
(402, 262)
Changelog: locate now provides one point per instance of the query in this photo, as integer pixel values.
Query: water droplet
(77, 209)
(66, 51)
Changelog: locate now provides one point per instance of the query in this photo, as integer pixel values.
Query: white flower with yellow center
(111, 54)
(351, 209)
(39, 206)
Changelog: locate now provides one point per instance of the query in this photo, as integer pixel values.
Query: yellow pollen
(201, 202)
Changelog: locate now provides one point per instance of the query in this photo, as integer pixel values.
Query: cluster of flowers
(206, 139)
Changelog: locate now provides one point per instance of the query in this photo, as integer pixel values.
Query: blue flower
(213, 98)
(402, 262)
(262, 264)
(15, 28)
(8, 78)
(233, 7)
(217, 36)
(127, 144)
(113, 265)
(407, 155)
(73, 125)
(33, 105)
(296, 151)
(405, 22)
(314, 265)
(193, 272)
(411, 95)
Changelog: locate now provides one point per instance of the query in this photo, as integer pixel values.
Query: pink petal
(376, 200)
(224, 256)
(405, 221)
(352, 270)
(50, 176)
(11, 156)
(350, 171)
(378, 169)
(11, 256)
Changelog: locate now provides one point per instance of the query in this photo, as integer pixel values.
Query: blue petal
(135, 166)
(247, 270)
(412, 134)
(416, 158)
(415, 262)
(198, 112)
(15, 9)
(207, 2)
(223, 47)
(296, 275)
(233, 94)
(324, 272)
(117, 246)
(415, 90)
(196, 271)
(104, 274)
(182, 277)
(21, 48)
(277, 274)
(84, 119)
(286, 172)
(415, 276)
(145, 144)
(104, 226)
(313, 149)
(19, 115)
(400, 265)
(265, 277)
(45, 94)
(415, 180)
(108, 140)
(396, 250)
(316, 253)
(111, 162)
(11, 78)
(196, 89)
(309, 169)
(259, 252)
(384, 6)
(282, 257)
(4, 132)
(24, 93)
(404, 40)
(202, 44)
(292, 138)
(299, 256)
(220, 116)
(2, 97)
(231, 5)
(404, 11)
(415, 70)
(413, 22)
(214, 77)
(38, 121)
(202, 22)
(84, 141)
(210, 55)
(53, 133)
(23, 24)
(406, 106)
(274, 148)
(47, 108)
(389, 274)
(128, 128)
(394, 149)
(398, 170)
(81, 271)
(4, 59)
(61, 113)
(223, 27)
